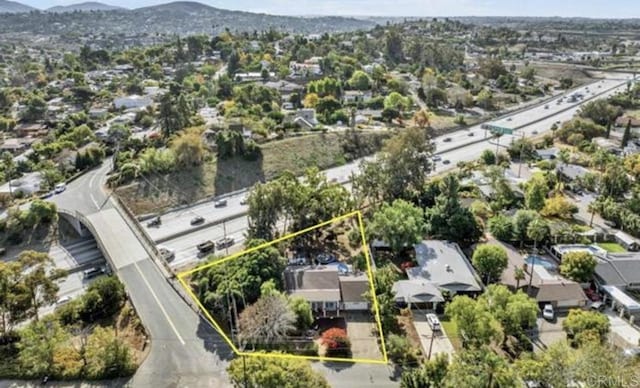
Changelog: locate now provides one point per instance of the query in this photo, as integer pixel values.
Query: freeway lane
(178, 221)
(184, 245)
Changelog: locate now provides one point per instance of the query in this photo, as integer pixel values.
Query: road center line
(94, 201)
(166, 315)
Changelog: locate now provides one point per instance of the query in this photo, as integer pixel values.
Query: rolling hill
(87, 6)
(7, 6)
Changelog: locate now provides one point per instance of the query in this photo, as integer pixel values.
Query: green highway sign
(497, 130)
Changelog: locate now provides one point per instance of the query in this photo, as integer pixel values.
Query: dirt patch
(405, 321)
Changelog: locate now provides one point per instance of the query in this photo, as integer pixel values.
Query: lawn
(451, 331)
(612, 247)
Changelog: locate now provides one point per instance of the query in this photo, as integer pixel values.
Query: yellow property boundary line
(376, 309)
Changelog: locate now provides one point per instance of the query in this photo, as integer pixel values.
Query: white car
(548, 313)
(436, 158)
(166, 253)
(63, 300)
(244, 200)
(60, 187)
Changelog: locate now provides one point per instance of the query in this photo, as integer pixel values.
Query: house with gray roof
(327, 289)
(571, 172)
(441, 266)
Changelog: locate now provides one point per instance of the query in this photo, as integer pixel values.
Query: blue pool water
(537, 260)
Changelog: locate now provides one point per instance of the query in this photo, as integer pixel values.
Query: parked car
(93, 272)
(225, 242)
(326, 258)
(60, 187)
(166, 253)
(197, 220)
(206, 246)
(597, 306)
(433, 321)
(592, 295)
(220, 203)
(548, 313)
(298, 260)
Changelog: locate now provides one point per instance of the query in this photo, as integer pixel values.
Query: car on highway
(197, 220)
(205, 246)
(244, 200)
(509, 118)
(470, 134)
(93, 272)
(165, 253)
(447, 139)
(546, 107)
(225, 243)
(534, 132)
(154, 222)
(548, 313)
(446, 161)
(220, 203)
(436, 158)
(59, 188)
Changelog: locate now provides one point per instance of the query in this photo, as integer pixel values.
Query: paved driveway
(364, 344)
(623, 330)
(441, 343)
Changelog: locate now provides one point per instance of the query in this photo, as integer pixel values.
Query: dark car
(220, 203)
(225, 242)
(447, 139)
(326, 258)
(470, 134)
(197, 220)
(206, 246)
(154, 222)
(446, 161)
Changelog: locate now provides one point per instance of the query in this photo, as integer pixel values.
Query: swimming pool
(541, 261)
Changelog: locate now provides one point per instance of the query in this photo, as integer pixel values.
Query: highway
(177, 234)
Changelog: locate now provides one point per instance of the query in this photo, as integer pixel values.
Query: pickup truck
(206, 246)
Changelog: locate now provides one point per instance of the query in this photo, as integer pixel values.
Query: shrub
(336, 342)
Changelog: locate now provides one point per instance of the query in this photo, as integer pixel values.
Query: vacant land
(219, 176)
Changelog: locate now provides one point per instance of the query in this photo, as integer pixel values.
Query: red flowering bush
(337, 342)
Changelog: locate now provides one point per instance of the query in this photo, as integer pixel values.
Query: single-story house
(31, 129)
(131, 102)
(557, 251)
(326, 289)
(356, 96)
(622, 121)
(571, 172)
(629, 242)
(14, 146)
(445, 267)
(547, 286)
(619, 269)
(27, 184)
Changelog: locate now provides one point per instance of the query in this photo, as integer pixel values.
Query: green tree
(488, 157)
(521, 221)
(600, 111)
(400, 224)
(36, 281)
(537, 230)
(535, 193)
(393, 46)
(103, 299)
(490, 261)
(429, 375)
(481, 368)
(188, 148)
(302, 310)
(38, 345)
(582, 326)
(485, 99)
(475, 325)
(35, 109)
(400, 350)
(360, 80)
(501, 227)
(614, 182)
(515, 312)
(107, 356)
(578, 266)
(447, 219)
(259, 372)
(396, 101)
(559, 206)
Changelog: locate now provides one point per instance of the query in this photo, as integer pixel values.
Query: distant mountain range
(88, 6)
(181, 17)
(7, 6)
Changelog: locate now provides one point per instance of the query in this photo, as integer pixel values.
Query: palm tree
(537, 231)
(519, 275)
(592, 208)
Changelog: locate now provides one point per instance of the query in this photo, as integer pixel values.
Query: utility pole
(521, 149)
(531, 265)
(433, 336)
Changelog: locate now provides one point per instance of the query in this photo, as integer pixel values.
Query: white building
(132, 102)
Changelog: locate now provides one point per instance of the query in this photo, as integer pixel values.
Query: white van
(433, 321)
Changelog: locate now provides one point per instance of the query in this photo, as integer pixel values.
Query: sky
(434, 8)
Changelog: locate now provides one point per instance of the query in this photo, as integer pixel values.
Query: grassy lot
(451, 330)
(219, 176)
(612, 247)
